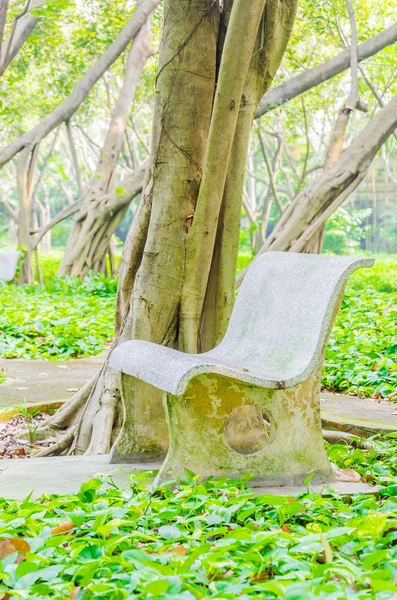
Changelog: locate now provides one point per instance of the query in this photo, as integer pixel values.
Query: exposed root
(103, 423)
(337, 437)
(70, 412)
(60, 446)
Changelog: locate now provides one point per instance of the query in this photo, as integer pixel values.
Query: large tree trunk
(98, 218)
(206, 95)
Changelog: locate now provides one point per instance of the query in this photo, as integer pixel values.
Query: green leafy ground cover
(71, 319)
(67, 319)
(362, 353)
(206, 540)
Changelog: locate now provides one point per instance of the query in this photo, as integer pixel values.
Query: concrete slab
(44, 381)
(60, 475)
(64, 475)
(358, 415)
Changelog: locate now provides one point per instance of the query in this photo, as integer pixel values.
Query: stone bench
(8, 265)
(251, 405)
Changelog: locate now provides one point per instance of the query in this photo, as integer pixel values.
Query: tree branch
(21, 29)
(75, 159)
(317, 75)
(69, 106)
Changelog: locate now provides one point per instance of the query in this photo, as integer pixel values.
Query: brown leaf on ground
(18, 452)
(347, 475)
(286, 528)
(63, 528)
(263, 576)
(181, 550)
(10, 545)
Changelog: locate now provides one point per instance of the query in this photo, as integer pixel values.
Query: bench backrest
(283, 313)
(8, 265)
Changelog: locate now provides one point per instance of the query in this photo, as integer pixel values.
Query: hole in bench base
(247, 429)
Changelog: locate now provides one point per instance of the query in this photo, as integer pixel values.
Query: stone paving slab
(45, 381)
(360, 415)
(64, 475)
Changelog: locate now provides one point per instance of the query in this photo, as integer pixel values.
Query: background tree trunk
(25, 172)
(98, 218)
(310, 209)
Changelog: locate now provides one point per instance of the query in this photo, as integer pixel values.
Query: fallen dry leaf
(10, 545)
(181, 550)
(18, 452)
(286, 528)
(347, 475)
(63, 528)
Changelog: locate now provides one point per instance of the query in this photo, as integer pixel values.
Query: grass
(362, 354)
(67, 319)
(206, 540)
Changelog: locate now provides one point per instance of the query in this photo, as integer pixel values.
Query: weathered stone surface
(8, 265)
(270, 358)
(293, 449)
(44, 381)
(276, 333)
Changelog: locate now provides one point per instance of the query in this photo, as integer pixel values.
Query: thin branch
(375, 92)
(75, 158)
(45, 163)
(9, 209)
(353, 97)
(317, 75)
(271, 175)
(7, 49)
(3, 17)
(63, 214)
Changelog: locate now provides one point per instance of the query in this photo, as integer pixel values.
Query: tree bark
(21, 29)
(3, 17)
(219, 298)
(25, 172)
(242, 33)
